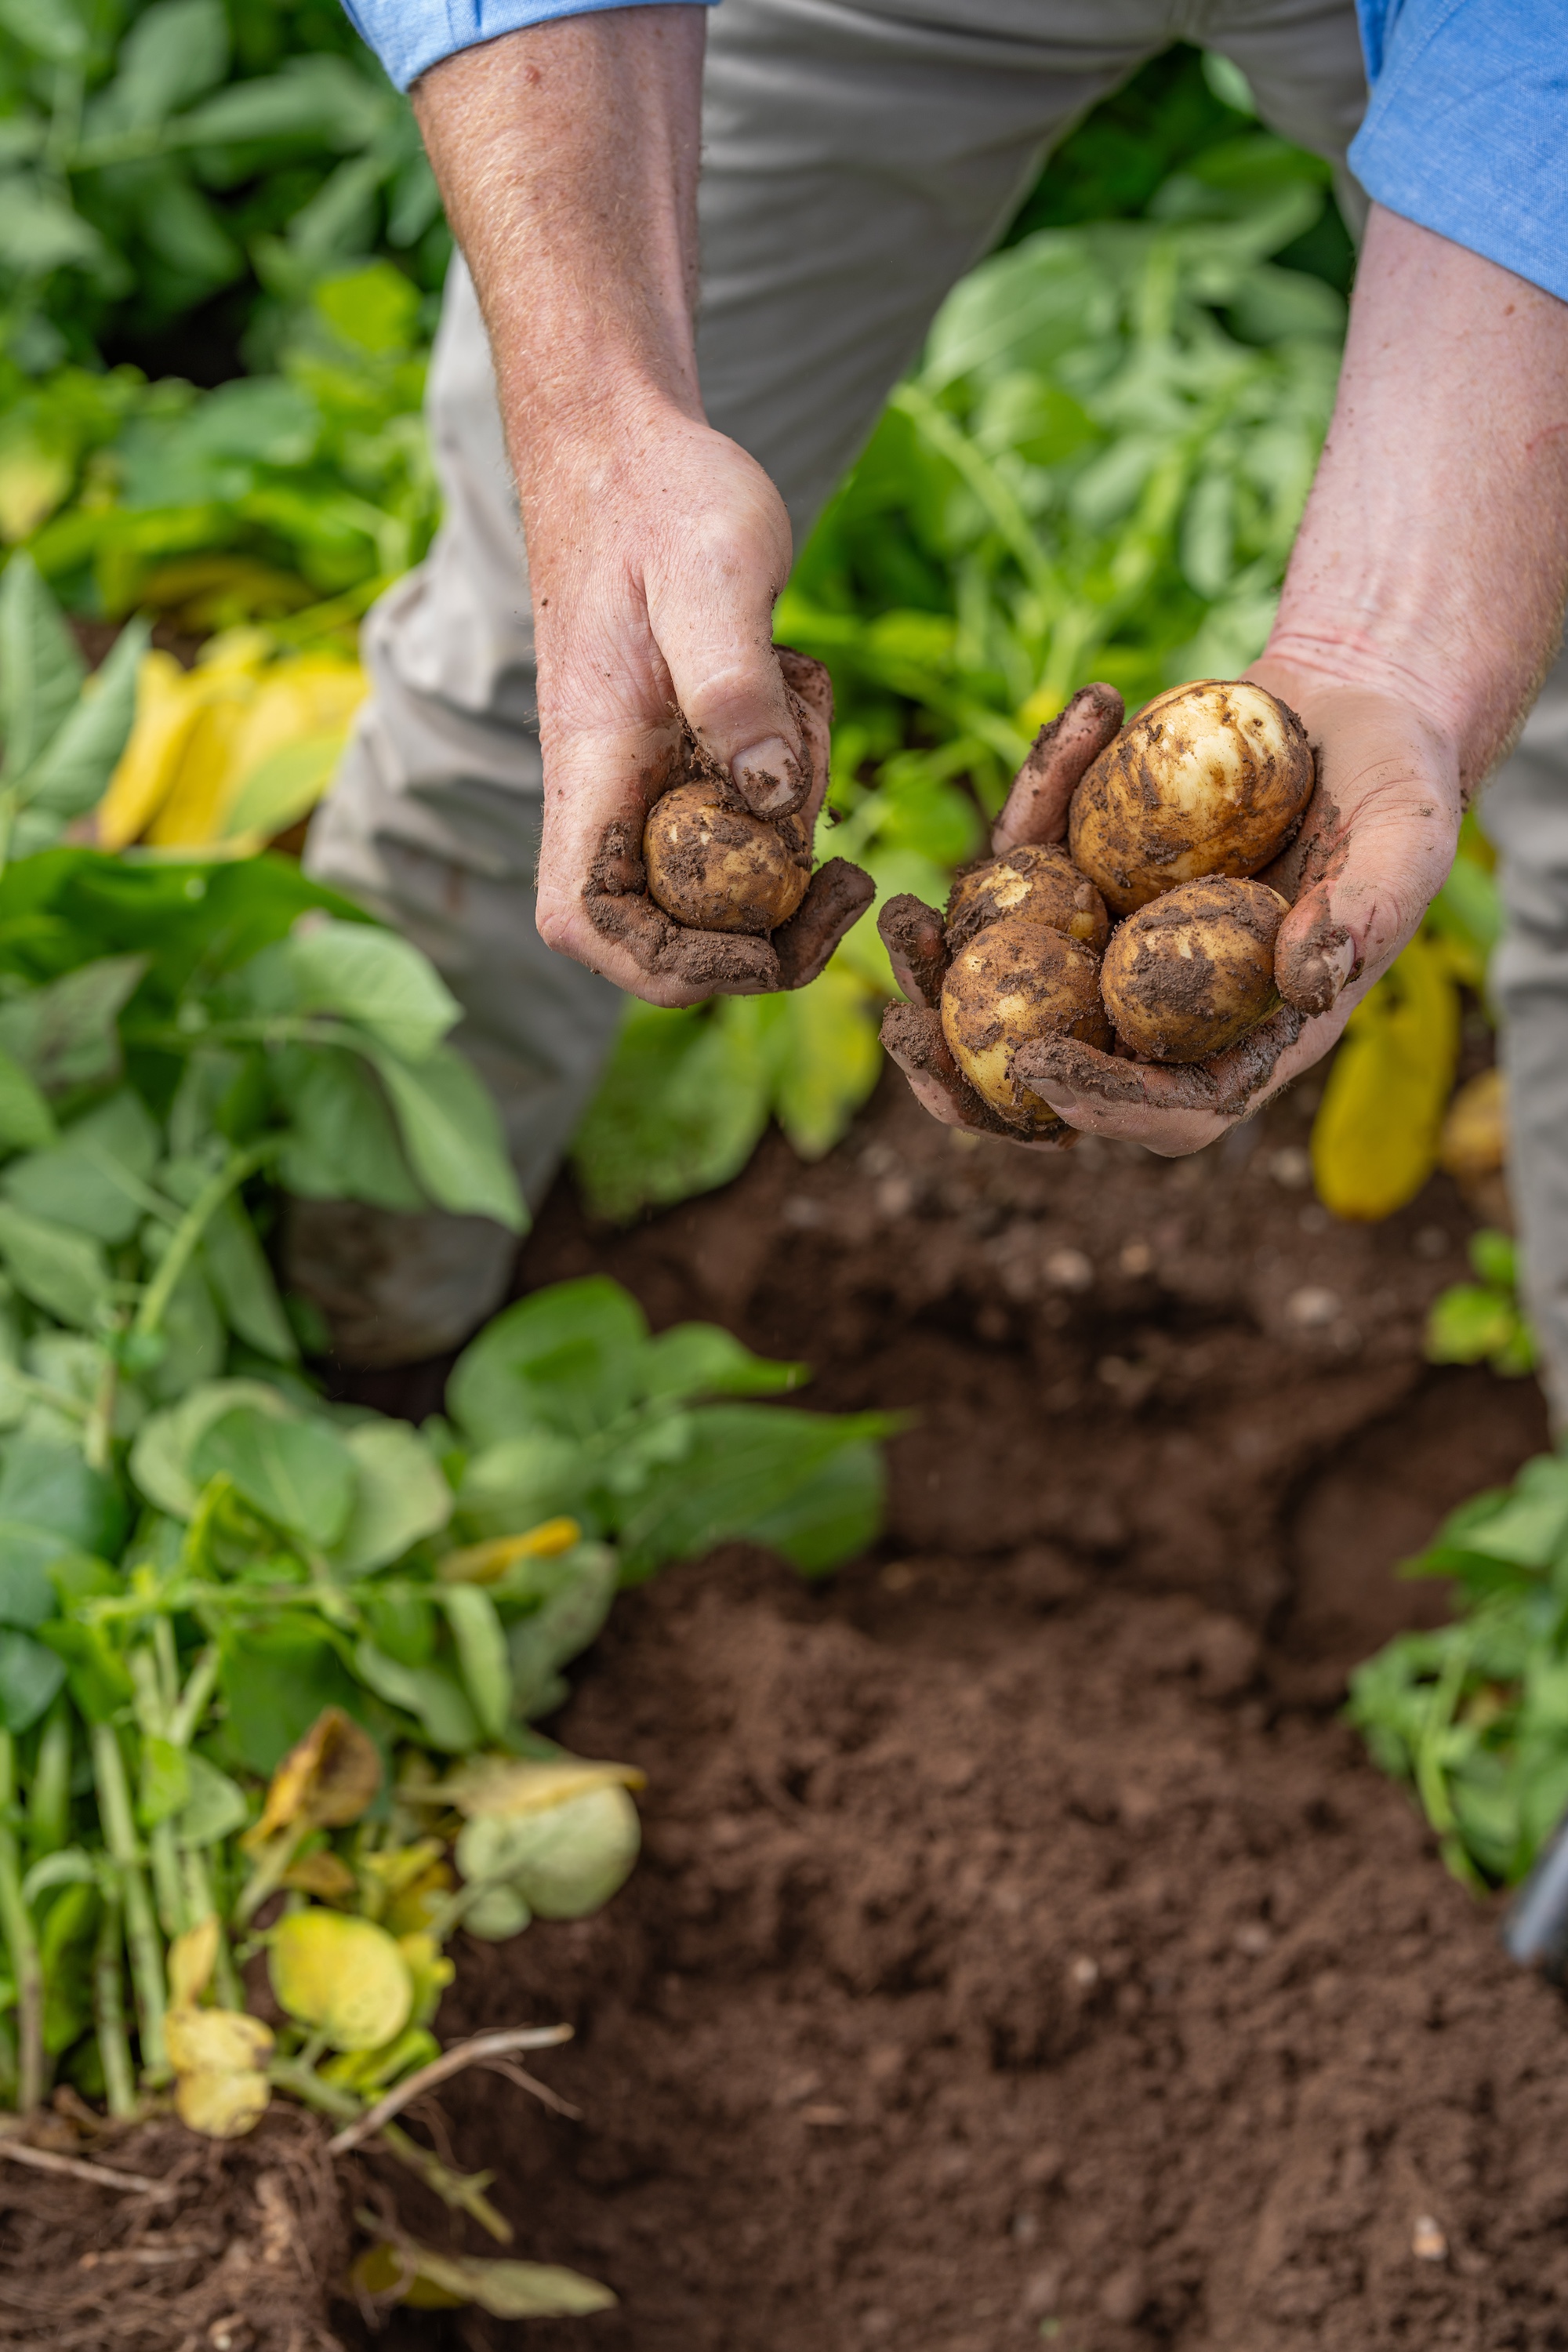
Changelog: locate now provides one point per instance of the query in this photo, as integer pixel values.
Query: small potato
(1017, 980)
(1189, 974)
(1041, 882)
(1208, 779)
(718, 868)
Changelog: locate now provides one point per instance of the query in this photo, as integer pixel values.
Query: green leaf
(481, 1653)
(745, 1462)
(165, 1442)
(65, 1954)
(57, 1269)
(95, 1674)
(400, 1497)
(700, 1359)
(275, 1678)
(194, 1342)
(343, 1144)
(54, 31)
(295, 1472)
(452, 1134)
(25, 1118)
(375, 978)
(166, 1786)
(52, 1488)
(427, 1693)
(40, 668)
(1495, 1258)
(680, 1109)
(174, 51)
(96, 1178)
(580, 1587)
(832, 1516)
(242, 1281)
(215, 1807)
(40, 232)
(1468, 1323)
(71, 772)
(66, 1035)
(514, 1484)
(571, 1358)
(30, 1676)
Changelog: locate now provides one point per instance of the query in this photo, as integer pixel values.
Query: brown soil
(1023, 1951)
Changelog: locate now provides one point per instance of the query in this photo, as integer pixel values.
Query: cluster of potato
(1204, 789)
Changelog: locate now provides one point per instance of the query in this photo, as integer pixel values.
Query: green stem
(140, 1927)
(192, 1705)
(186, 1237)
(168, 1881)
(109, 2011)
(49, 1805)
(99, 1432)
(21, 1941)
(462, 2194)
(268, 1875)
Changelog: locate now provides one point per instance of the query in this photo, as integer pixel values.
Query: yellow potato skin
(1036, 881)
(1212, 778)
(718, 868)
(1193, 972)
(1018, 980)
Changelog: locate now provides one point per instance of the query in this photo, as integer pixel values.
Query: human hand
(655, 563)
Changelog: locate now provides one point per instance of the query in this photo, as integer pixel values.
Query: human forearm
(1433, 557)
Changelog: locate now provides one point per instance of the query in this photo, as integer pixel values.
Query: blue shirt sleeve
(1467, 128)
(407, 35)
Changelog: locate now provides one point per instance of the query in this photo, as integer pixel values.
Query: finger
(691, 965)
(1169, 1110)
(912, 1036)
(809, 685)
(836, 897)
(1036, 807)
(913, 935)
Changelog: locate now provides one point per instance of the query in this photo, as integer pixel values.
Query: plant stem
(185, 1717)
(186, 1237)
(96, 1436)
(462, 2194)
(109, 2011)
(201, 1904)
(49, 1806)
(20, 1940)
(140, 1927)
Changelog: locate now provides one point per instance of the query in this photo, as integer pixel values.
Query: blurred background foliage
(221, 251)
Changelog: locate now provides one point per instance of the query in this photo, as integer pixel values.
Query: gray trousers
(859, 155)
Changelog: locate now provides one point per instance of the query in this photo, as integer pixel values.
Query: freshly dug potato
(1036, 881)
(1208, 779)
(1017, 980)
(1192, 972)
(716, 867)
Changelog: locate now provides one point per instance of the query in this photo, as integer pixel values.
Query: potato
(1017, 980)
(715, 867)
(1041, 882)
(1193, 972)
(1208, 779)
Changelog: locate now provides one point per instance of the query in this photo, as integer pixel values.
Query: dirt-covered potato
(1017, 980)
(1208, 779)
(1194, 971)
(1038, 881)
(715, 867)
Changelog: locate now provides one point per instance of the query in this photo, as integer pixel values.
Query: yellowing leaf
(413, 1906)
(192, 1958)
(507, 2290)
(486, 1563)
(1474, 1141)
(33, 481)
(324, 1874)
(497, 1785)
(223, 2106)
(1375, 1139)
(219, 2057)
(429, 1969)
(167, 707)
(326, 1780)
(215, 2041)
(342, 1975)
(191, 809)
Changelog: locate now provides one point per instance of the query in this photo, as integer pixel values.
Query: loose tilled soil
(1023, 1951)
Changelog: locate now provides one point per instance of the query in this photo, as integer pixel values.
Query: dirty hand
(1376, 842)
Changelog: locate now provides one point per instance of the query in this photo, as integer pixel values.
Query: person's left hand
(1375, 846)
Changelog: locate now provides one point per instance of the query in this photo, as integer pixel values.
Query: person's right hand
(657, 552)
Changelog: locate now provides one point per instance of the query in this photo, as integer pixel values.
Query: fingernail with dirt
(1311, 980)
(767, 777)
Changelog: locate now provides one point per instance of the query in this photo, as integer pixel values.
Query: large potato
(717, 869)
(1017, 980)
(1037, 881)
(1193, 972)
(1208, 779)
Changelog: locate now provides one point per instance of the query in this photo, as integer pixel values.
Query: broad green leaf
(578, 1592)
(174, 51)
(745, 1462)
(40, 668)
(194, 1341)
(1375, 1138)
(52, 1488)
(284, 787)
(682, 1107)
(315, 98)
(276, 1679)
(64, 1955)
(482, 1650)
(571, 1358)
(25, 1118)
(701, 1360)
(161, 1456)
(374, 978)
(295, 1472)
(341, 1975)
(60, 1270)
(66, 1035)
(565, 1861)
(97, 1178)
(452, 1134)
(427, 1693)
(400, 1497)
(343, 1142)
(1468, 1323)
(520, 1481)
(95, 1674)
(30, 1676)
(71, 771)
(832, 1516)
(215, 1807)
(826, 1057)
(242, 1281)
(53, 28)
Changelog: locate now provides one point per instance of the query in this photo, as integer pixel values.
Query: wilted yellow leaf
(192, 1958)
(219, 2057)
(188, 816)
(428, 1967)
(167, 707)
(1474, 1141)
(224, 2106)
(33, 480)
(325, 1781)
(486, 1563)
(343, 1976)
(507, 2290)
(323, 1874)
(1375, 1139)
(509, 1785)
